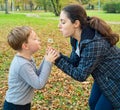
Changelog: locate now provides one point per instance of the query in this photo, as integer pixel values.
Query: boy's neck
(24, 55)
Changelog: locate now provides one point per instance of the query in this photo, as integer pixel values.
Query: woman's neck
(77, 35)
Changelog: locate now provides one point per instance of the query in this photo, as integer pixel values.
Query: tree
(43, 4)
(2, 5)
(31, 5)
(85, 1)
(12, 5)
(56, 6)
(6, 6)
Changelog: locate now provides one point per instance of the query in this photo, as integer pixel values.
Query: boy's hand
(51, 55)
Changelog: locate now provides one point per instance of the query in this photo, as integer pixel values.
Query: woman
(93, 52)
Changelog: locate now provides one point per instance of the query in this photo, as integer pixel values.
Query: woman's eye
(63, 22)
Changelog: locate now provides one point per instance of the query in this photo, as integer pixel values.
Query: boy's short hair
(18, 36)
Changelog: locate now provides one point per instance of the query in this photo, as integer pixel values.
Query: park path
(112, 22)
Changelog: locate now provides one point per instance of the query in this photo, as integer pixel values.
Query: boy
(24, 77)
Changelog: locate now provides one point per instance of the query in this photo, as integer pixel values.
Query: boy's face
(33, 42)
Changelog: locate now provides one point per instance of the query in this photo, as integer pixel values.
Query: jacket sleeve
(90, 57)
(73, 59)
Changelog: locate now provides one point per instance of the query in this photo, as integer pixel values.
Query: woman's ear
(77, 23)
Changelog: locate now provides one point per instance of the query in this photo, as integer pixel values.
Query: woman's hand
(51, 54)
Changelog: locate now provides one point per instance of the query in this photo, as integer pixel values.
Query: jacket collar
(87, 34)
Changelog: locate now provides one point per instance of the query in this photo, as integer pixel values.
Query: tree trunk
(31, 6)
(6, 6)
(12, 5)
(44, 5)
(55, 7)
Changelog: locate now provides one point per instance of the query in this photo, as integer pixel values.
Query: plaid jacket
(98, 58)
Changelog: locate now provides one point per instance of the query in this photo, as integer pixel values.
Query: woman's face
(65, 25)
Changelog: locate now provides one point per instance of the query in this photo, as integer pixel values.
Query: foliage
(51, 5)
(43, 5)
(56, 6)
(59, 4)
(112, 7)
(61, 91)
(85, 1)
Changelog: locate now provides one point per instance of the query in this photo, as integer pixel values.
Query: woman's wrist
(59, 57)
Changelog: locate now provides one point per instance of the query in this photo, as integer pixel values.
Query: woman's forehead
(63, 15)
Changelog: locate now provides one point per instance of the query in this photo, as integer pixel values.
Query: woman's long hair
(77, 12)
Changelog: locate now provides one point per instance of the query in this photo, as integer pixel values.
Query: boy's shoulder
(20, 61)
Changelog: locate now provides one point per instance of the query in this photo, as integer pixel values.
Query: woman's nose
(59, 25)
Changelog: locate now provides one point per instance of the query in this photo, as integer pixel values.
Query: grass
(61, 92)
(106, 16)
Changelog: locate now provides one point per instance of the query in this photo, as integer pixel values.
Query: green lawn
(61, 91)
(106, 16)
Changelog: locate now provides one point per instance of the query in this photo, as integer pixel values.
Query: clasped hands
(51, 54)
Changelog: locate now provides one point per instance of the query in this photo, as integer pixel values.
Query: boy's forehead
(33, 34)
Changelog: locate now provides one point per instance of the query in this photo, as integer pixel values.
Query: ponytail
(103, 28)
(77, 12)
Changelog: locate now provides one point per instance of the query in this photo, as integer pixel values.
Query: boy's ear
(24, 46)
(77, 23)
